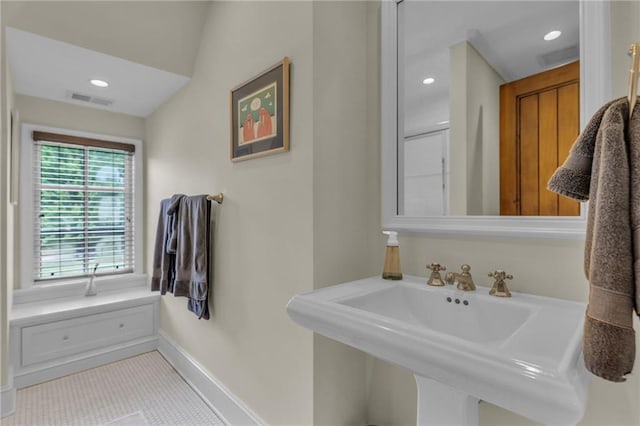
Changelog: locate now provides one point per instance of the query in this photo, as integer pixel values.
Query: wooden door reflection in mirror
(539, 121)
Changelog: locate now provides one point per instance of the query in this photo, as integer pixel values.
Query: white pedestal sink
(521, 353)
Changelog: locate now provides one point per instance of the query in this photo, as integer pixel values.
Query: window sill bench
(61, 336)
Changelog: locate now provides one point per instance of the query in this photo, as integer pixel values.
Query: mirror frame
(595, 74)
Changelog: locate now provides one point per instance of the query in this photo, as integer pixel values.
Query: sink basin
(521, 353)
(482, 320)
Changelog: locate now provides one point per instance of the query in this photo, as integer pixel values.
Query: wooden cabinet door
(539, 121)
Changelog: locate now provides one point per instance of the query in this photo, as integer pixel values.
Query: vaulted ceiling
(147, 48)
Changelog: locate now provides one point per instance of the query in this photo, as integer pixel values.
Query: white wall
(544, 267)
(424, 115)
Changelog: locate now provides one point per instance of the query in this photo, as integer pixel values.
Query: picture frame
(260, 114)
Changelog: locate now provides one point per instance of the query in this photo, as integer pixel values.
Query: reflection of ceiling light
(552, 35)
(428, 80)
(443, 122)
(99, 83)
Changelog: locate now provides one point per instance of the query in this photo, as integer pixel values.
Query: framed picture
(260, 114)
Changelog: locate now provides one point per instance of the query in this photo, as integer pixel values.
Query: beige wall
(263, 238)
(483, 133)
(304, 219)
(75, 117)
(72, 117)
(475, 132)
(6, 210)
(458, 133)
(626, 31)
(544, 267)
(119, 28)
(289, 223)
(48, 113)
(342, 228)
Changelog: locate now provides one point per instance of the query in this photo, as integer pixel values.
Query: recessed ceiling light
(552, 35)
(99, 83)
(428, 80)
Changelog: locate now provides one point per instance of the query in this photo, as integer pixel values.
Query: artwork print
(258, 115)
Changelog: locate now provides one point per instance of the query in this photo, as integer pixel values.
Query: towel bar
(633, 75)
(218, 198)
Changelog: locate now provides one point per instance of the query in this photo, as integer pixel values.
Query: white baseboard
(226, 405)
(8, 398)
(42, 373)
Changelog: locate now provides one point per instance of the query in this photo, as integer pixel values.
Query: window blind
(83, 208)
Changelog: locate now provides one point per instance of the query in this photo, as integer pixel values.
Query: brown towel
(573, 178)
(599, 168)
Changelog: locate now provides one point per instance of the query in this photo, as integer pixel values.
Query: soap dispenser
(392, 258)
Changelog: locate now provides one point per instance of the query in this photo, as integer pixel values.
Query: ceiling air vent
(88, 98)
(559, 57)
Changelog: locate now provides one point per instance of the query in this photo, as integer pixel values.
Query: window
(83, 206)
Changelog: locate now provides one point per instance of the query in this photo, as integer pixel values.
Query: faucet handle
(499, 274)
(436, 267)
(499, 288)
(435, 278)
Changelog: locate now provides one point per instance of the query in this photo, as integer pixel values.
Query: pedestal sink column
(440, 404)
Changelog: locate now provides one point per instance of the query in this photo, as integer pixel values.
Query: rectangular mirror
(478, 110)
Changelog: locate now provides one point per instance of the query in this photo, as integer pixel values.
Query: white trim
(76, 288)
(26, 197)
(595, 45)
(8, 397)
(222, 401)
(59, 309)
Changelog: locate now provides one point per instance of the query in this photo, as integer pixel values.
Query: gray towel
(172, 231)
(604, 167)
(163, 276)
(192, 254)
(161, 261)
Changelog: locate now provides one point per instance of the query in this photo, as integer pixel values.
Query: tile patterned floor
(145, 383)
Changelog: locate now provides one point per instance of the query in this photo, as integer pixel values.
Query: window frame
(27, 281)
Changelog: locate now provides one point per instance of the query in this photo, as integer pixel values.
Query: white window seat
(55, 337)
